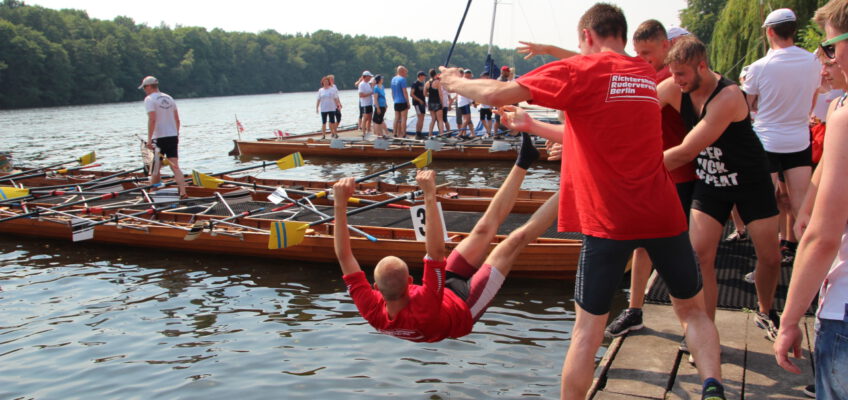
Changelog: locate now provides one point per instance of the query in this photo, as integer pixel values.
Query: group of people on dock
(424, 95)
(649, 143)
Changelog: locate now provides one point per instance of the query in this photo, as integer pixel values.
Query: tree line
(62, 57)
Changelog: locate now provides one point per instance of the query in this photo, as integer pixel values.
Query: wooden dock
(647, 364)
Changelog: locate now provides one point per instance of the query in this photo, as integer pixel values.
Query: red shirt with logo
(673, 133)
(431, 315)
(613, 184)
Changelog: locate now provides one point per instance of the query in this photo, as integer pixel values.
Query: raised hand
(515, 118)
(343, 190)
(426, 181)
(532, 49)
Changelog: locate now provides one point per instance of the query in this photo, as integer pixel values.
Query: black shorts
(434, 106)
(338, 115)
(401, 107)
(328, 114)
(485, 114)
(366, 110)
(168, 146)
(445, 114)
(419, 107)
(779, 162)
(753, 203)
(379, 113)
(464, 110)
(602, 263)
(684, 192)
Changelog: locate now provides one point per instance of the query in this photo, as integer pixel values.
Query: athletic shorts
(684, 192)
(401, 107)
(168, 146)
(464, 110)
(779, 162)
(328, 114)
(485, 114)
(434, 106)
(338, 115)
(753, 203)
(366, 110)
(602, 263)
(476, 286)
(445, 114)
(419, 107)
(379, 113)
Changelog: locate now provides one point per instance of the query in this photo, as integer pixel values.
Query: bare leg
(178, 175)
(797, 182)
(505, 253)
(737, 220)
(763, 234)
(579, 366)
(701, 335)
(705, 233)
(639, 277)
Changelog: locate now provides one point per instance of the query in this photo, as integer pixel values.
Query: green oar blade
(286, 234)
(293, 160)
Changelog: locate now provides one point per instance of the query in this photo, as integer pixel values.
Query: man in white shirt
(163, 130)
(780, 88)
(366, 102)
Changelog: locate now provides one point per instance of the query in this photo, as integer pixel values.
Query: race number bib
(419, 219)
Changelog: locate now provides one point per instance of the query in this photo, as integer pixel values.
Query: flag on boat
(239, 126)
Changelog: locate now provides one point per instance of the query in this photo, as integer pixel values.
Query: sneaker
(629, 320)
(810, 391)
(768, 323)
(713, 390)
(749, 277)
(788, 256)
(737, 236)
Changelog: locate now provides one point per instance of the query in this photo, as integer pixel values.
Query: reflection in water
(93, 321)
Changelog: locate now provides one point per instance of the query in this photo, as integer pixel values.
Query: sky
(542, 21)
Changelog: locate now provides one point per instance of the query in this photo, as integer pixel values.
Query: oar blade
(87, 158)
(293, 160)
(8, 193)
(424, 159)
(81, 230)
(201, 179)
(286, 234)
(195, 231)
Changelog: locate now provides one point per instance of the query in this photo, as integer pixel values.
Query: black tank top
(737, 159)
(433, 96)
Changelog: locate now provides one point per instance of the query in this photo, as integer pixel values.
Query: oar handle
(378, 173)
(405, 196)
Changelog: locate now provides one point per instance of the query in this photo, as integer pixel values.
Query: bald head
(392, 277)
(401, 70)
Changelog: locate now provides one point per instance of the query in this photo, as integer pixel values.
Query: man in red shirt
(429, 313)
(614, 187)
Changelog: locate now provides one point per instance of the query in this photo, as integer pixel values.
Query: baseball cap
(421, 73)
(675, 32)
(505, 68)
(779, 16)
(148, 80)
(367, 73)
(467, 71)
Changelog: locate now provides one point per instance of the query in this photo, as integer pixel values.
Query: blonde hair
(835, 13)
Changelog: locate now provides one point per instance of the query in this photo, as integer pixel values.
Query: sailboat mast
(492, 31)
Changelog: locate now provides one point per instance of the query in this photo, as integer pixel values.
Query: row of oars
(281, 235)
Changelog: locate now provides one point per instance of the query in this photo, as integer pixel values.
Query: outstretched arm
(537, 49)
(434, 236)
(342, 191)
(484, 91)
(515, 118)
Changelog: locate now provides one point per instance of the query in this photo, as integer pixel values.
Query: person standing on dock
(614, 187)
(163, 130)
(400, 98)
(821, 265)
(366, 103)
(380, 108)
(416, 91)
(463, 112)
(327, 105)
(456, 290)
(434, 102)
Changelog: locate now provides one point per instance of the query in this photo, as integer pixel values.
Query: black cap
(420, 73)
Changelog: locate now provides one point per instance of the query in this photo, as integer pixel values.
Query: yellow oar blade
(201, 179)
(424, 159)
(293, 160)
(87, 159)
(286, 234)
(8, 192)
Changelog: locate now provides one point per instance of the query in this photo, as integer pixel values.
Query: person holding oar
(429, 313)
(163, 130)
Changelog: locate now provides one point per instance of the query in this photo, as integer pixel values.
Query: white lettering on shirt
(632, 88)
(713, 171)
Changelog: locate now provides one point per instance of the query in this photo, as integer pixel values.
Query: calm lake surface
(94, 321)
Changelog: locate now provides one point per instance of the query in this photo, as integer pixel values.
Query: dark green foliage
(59, 57)
(700, 17)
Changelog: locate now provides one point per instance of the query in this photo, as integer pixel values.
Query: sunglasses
(829, 46)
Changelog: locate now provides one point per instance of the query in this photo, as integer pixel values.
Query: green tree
(700, 17)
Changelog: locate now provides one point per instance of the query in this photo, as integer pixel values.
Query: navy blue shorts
(464, 110)
(365, 110)
(602, 263)
(401, 107)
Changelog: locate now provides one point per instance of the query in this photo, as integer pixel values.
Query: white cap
(367, 73)
(675, 32)
(778, 16)
(744, 72)
(148, 80)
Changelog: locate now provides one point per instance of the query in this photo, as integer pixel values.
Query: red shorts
(477, 286)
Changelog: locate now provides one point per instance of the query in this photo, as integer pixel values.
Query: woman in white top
(327, 105)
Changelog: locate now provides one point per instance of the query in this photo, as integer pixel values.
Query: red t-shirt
(673, 133)
(614, 184)
(432, 314)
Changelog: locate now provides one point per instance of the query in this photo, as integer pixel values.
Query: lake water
(95, 321)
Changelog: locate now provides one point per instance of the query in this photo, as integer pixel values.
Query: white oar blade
(278, 196)
(80, 230)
